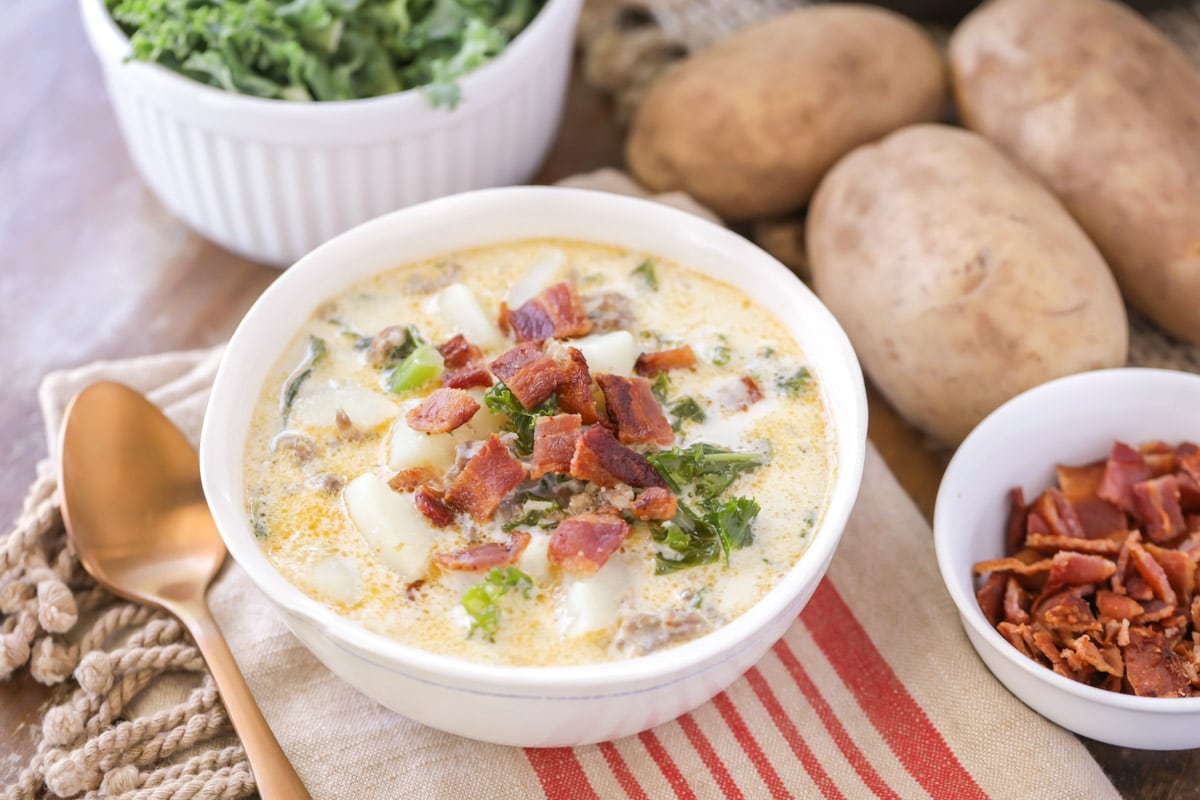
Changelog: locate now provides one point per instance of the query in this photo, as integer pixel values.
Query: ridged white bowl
(531, 706)
(272, 179)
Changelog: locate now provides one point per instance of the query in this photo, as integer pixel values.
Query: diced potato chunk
(535, 560)
(612, 353)
(594, 603)
(409, 448)
(463, 311)
(366, 409)
(542, 275)
(337, 578)
(398, 534)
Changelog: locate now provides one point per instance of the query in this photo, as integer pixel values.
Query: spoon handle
(273, 773)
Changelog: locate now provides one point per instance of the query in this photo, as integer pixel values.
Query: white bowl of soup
(536, 466)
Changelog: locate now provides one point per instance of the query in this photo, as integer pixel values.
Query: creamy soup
(541, 452)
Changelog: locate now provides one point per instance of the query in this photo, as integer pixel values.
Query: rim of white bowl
(1092, 385)
(112, 45)
(632, 674)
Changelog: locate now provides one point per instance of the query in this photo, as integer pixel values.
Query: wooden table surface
(92, 266)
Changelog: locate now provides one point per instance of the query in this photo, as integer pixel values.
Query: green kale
(706, 469)
(501, 400)
(796, 383)
(660, 387)
(534, 510)
(317, 350)
(480, 600)
(323, 49)
(685, 408)
(646, 272)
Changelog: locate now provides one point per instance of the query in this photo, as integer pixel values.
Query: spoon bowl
(135, 511)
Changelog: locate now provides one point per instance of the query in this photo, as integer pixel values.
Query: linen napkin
(873, 691)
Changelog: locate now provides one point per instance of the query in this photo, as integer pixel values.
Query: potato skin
(960, 279)
(749, 125)
(1107, 111)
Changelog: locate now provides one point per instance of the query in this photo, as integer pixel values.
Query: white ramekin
(1072, 420)
(531, 706)
(271, 179)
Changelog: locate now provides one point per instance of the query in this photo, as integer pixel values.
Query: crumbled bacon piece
(1016, 520)
(650, 364)
(457, 352)
(635, 412)
(991, 597)
(1016, 602)
(555, 313)
(1151, 667)
(575, 390)
(430, 503)
(1124, 468)
(485, 480)
(1058, 514)
(442, 411)
(1076, 569)
(1079, 483)
(1052, 544)
(1099, 518)
(554, 441)
(583, 544)
(1014, 565)
(655, 503)
(1152, 573)
(531, 375)
(601, 459)
(467, 377)
(1156, 505)
(1113, 606)
(740, 394)
(482, 557)
(408, 479)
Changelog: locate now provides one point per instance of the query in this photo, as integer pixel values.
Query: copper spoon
(133, 507)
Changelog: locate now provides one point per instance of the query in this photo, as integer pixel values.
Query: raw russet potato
(748, 126)
(960, 279)
(1107, 111)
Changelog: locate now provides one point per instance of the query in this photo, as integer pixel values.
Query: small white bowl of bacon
(1067, 530)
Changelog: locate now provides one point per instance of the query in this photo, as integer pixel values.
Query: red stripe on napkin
(709, 756)
(733, 719)
(666, 765)
(561, 775)
(620, 771)
(889, 706)
(873, 780)
(792, 736)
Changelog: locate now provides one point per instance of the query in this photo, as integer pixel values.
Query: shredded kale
(796, 383)
(534, 510)
(703, 472)
(317, 350)
(660, 387)
(685, 408)
(646, 272)
(480, 600)
(323, 49)
(258, 518)
(501, 400)
(721, 355)
(412, 340)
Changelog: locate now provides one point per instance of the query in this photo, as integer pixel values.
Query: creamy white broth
(306, 528)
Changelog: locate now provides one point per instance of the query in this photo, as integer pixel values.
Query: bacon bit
(1151, 668)
(467, 378)
(1189, 493)
(575, 390)
(1076, 569)
(1124, 468)
(1020, 636)
(408, 479)
(991, 597)
(1099, 518)
(604, 461)
(1016, 602)
(1058, 514)
(555, 313)
(554, 441)
(1045, 645)
(1035, 525)
(583, 544)
(442, 411)
(430, 503)
(1156, 505)
(1017, 509)
(1052, 544)
(1152, 573)
(1107, 660)
(650, 364)
(1080, 483)
(531, 375)
(1066, 611)
(636, 413)
(485, 480)
(1188, 456)
(1156, 611)
(1011, 564)
(1179, 568)
(655, 503)
(483, 557)
(414, 589)
(1113, 606)
(1119, 577)
(458, 352)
